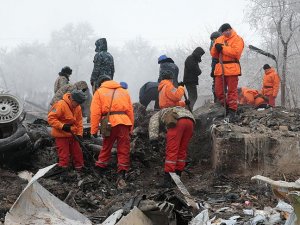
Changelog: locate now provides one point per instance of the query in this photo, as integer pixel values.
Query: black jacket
(148, 92)
(168, 64)
(191, 67)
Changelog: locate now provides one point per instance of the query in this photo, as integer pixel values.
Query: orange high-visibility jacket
(169, 96)
(62, 113)
(271, 82)
(232, 50)
(121, 109)
(250, 97)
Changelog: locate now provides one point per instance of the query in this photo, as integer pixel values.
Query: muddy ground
(97, 196)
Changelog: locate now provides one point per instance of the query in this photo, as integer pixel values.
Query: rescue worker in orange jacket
(121, 118)
(168, 94)
(271, 82)
(228, 49)
(65, 118)
(252, 97)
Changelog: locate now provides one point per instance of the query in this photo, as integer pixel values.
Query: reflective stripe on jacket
(169, 96)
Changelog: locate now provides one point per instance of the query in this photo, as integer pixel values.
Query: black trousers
(192, 92)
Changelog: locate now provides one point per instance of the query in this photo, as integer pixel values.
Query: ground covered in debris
(223, 194)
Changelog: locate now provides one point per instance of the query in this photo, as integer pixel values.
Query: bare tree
(285, 21)
(71, 45)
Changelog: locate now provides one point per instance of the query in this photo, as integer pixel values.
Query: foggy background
(38, 38)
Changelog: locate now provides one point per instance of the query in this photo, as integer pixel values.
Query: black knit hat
(266, 66)
(78, 96)
(215, 34)
(166, 74)
(103, 78)
(66, 70)
(225, 27)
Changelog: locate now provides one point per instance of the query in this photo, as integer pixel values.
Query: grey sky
(163, 22)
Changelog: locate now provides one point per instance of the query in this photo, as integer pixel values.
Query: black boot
(101, 170)
(178, 172)
(166, 182)
(232, 116)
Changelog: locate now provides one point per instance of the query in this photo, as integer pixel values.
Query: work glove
(219, 47)
(181, 84)
(154, 145)
(66, 127)
(187, 102)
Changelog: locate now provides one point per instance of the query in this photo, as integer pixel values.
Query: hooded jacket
(232, 50)
(148, 92)
(62, 113)
(169, 96)
(168, 64)
(159, 118)
(191, 67)
(121, 103)
(103, 61)
(271, 82)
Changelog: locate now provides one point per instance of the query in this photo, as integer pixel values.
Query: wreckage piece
(289, 191)
(135, 217)
(190, 201)
(12, 133)
(294, 197)
(10, 108)
(280, 183)
(113, 218)
(36, 205)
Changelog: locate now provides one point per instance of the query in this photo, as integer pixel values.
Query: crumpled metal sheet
(36, 205)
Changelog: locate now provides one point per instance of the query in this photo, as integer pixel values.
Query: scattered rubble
(218, 181)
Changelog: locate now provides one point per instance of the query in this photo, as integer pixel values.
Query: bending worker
(179, 123)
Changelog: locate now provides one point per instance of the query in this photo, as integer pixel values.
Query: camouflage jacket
(85, 107)
(158, 118)
(68, 88)
(60, 81)
(103, 62)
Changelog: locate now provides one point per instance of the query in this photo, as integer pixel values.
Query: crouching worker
(252, 97)
(112, 108)
(179, 123)
(65, 118)
(168, 94)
